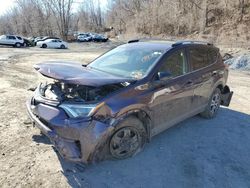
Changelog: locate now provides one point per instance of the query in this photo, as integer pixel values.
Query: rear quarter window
(212, 56)
(198, 58)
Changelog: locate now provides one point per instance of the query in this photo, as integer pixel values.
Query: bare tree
(62, 10)
(146, 17)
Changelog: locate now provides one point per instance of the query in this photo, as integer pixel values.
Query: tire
(18, 45)
(128, 139)
(62, 46)
(213, 105)
(25, 44)
(44, 46)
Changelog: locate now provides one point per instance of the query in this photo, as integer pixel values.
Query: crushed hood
(75, 73)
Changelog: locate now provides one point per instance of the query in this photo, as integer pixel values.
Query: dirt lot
(195, 153)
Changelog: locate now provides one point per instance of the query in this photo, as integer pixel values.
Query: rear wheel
(44, 46)
(128, 139)
(213, 105)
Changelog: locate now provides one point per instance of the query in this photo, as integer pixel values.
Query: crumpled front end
(76, 138)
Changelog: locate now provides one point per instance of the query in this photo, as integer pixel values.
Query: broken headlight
(77, 110)
(80, 110)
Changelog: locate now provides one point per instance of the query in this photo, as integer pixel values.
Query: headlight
(78, 110)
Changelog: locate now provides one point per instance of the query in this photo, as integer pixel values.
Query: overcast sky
(5, 5)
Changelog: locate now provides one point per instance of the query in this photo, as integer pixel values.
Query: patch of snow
(241, 62)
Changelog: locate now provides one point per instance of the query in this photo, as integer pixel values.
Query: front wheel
(128, 140)
(213, 105)
(18, 45)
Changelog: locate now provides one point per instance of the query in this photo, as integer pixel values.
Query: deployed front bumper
(76, 140)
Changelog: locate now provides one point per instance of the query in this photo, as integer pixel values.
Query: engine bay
(60, 91)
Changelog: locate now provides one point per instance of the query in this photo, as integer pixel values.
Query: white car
(84, 38)
(11, 40)
(52, 43)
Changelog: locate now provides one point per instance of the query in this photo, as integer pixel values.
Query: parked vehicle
(27, 43)
(84, 38)
(11, 40)
(52, 43)
(99, 38)
(113, 106)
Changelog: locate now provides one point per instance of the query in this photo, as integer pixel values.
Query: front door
(173, 94)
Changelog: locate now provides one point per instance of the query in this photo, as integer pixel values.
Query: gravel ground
(194, 153)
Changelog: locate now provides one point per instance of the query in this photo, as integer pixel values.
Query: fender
(219, 84)
(143, 114)
(105, 132)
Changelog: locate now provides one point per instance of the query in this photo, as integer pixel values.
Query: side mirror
(163, 75)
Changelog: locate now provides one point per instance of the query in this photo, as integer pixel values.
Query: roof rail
(190, 42)
(150, 40)
(135, 40)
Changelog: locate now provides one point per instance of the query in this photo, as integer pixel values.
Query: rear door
(172, 98)
(203, 71)
(3, 39)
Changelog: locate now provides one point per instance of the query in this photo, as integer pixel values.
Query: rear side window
(212, 56)
(198, 58)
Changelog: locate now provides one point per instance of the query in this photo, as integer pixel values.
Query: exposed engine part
(69, 92)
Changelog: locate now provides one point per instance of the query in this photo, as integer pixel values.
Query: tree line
(148, 17)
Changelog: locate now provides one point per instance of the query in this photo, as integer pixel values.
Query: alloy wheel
(215, 103)
(125, 142)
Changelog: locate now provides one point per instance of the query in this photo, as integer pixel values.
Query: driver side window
(175, 64)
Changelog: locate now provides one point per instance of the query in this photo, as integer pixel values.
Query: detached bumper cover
(226, 96)
(75, 140)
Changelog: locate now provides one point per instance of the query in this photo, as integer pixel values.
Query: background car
(27, 43)
(99, 38)
(52, 43)
(84, 38)
(11, 40)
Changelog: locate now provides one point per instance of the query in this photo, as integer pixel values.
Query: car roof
(166, 44)
(151, 45)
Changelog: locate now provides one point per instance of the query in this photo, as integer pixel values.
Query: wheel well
(220, 87)
(223, 89)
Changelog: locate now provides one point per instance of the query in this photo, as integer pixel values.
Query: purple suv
(114, 105)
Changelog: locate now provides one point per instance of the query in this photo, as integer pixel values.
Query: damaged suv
(111, 107)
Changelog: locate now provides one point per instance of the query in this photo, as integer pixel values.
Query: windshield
(127, 62)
